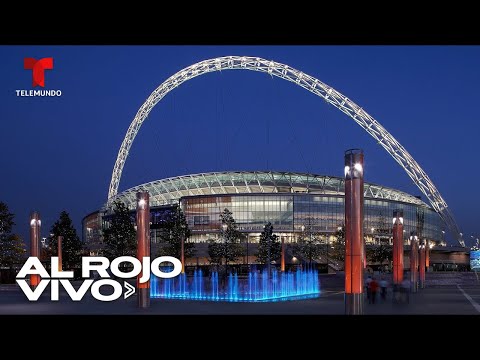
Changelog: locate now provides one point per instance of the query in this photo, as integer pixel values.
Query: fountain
(280, 286)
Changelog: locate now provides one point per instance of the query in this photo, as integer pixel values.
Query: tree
(229, 248)
(215, 252)
(120, 237)
(6, 219)
(12, 250)
(72, 247)
(269, 247)
(174, 229)
(338, 246)
(380, 253)
(308, 244)
(12, 247)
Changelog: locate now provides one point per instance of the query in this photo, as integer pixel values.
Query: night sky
(58, 153)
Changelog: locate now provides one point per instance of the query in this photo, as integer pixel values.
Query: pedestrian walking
(367, 288)
(383, 288)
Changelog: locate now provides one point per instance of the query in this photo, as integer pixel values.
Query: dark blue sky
(58, 153)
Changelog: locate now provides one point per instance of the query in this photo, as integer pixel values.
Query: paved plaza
(436, 300)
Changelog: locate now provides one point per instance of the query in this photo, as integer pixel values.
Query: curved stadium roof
(169, 190)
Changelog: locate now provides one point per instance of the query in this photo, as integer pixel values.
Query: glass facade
(92, 232)
(288, 212)
(289, 200)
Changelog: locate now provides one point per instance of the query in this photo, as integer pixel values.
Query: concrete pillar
(422, 265)
(182, 253)
(397, 248)
(35, 224)
(413, 262)
(143, 245)
(427, 256)
(354, 243)
(59, 253)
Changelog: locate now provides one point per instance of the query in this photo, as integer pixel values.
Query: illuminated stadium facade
(288, 200)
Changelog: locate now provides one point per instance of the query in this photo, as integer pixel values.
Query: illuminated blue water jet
(255, 287)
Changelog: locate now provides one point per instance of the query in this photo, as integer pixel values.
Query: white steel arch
(329, 94)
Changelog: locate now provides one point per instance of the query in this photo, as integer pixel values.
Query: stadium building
(290, 201)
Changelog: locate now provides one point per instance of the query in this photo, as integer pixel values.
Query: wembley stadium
(289, 200)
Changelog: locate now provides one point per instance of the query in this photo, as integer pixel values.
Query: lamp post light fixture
(224, 228)
(427, 254)
(422, 264)
(143, 245)
(269, 244)
(327, 243)
(182, 252)
(247, 255)
(414, 262)
(303, 234)
(59, 253)
(397, 248)
(35, 224)
(354, 242)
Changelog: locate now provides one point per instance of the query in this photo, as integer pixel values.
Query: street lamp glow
(142, 203)
(34, 222)
(358, 167)
(373, 229)
(347, 169)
